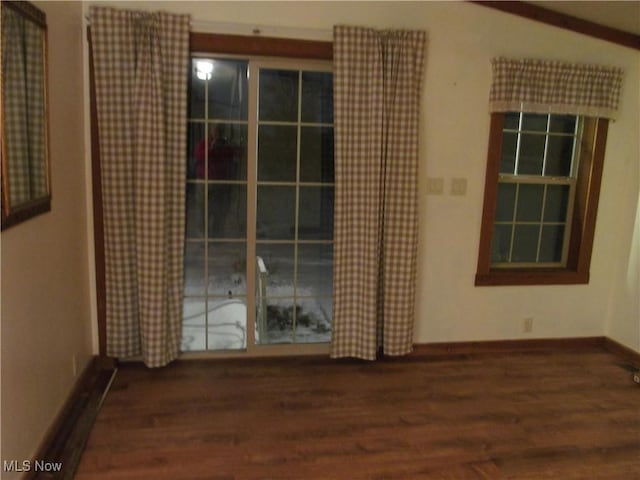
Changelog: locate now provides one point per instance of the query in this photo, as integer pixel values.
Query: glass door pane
(294, 211)
(215, 293)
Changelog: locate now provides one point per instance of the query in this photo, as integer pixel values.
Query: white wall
(45, 294)
(462, 39)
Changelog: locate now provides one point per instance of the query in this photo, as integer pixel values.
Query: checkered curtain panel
(540, 86)
(377, 87)
(24, 110)
(141, 65)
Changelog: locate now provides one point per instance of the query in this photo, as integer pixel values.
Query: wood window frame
(583, 220)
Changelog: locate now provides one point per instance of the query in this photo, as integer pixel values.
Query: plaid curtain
(23, 67)
(141, 65)
(377, 87)
(540, 86)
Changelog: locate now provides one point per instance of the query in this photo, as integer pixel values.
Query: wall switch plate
(528, 325)
(459, 186)
(435, 185)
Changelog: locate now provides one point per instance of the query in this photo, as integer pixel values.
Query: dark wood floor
(564, 416)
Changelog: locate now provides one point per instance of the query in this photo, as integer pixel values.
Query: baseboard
(65, 441)
(505, 346)
(526, 345)
(622, 351)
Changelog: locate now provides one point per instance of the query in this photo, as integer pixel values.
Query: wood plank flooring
(562, 415)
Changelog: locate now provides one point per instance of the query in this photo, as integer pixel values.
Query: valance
(542, 86)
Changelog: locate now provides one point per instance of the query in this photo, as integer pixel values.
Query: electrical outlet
(528, 325)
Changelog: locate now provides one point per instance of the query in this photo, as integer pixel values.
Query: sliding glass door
(259, 219)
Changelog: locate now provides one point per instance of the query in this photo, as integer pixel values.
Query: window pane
(316, 213)
(501, 243)
(555, 209)
(227, 90)
(525, 243)
(511, 120)
(278, 95)
(195, 210)
(315, 270)
(506, 202)
(508, 160)
(559, 155)
(222, 320)
(197, 88)
(277, 151)
(529, 203)
(195, 136)
(194, 330)
(313, 320)
(534, 122)
(551, 243)
(276, 213)
(316, 154)
(278, 262)
(317, 97)
(225, 149)
(227, 323)
(194, 279)
(562, 124)
(227, 267)
(227, 211)
(531, 154)
(279, 322)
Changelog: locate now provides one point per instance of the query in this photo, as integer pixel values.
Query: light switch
(435, 185)
(459, 186)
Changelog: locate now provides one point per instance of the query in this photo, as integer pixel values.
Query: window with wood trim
(541, 196)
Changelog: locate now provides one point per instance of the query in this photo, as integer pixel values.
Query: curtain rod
(208, 26)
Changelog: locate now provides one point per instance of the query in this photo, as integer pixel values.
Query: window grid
(296, 242)
(545, 181)
(206, 296)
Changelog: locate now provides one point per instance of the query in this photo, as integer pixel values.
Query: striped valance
(542, 86)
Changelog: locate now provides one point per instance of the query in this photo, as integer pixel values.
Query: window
(541, 194)
(259, 229)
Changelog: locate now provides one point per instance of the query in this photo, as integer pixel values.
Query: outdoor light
(204, 69)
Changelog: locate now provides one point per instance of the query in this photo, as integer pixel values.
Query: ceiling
(622, 15)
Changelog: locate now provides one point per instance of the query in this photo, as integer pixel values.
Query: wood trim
(98, 220)
(490, 193)
(24, 212)
(593, 180)
(66, 439)
(514, 276)
(257, 45)
(28, 10)
(564, 21)
(505, 346)
(622, 351)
